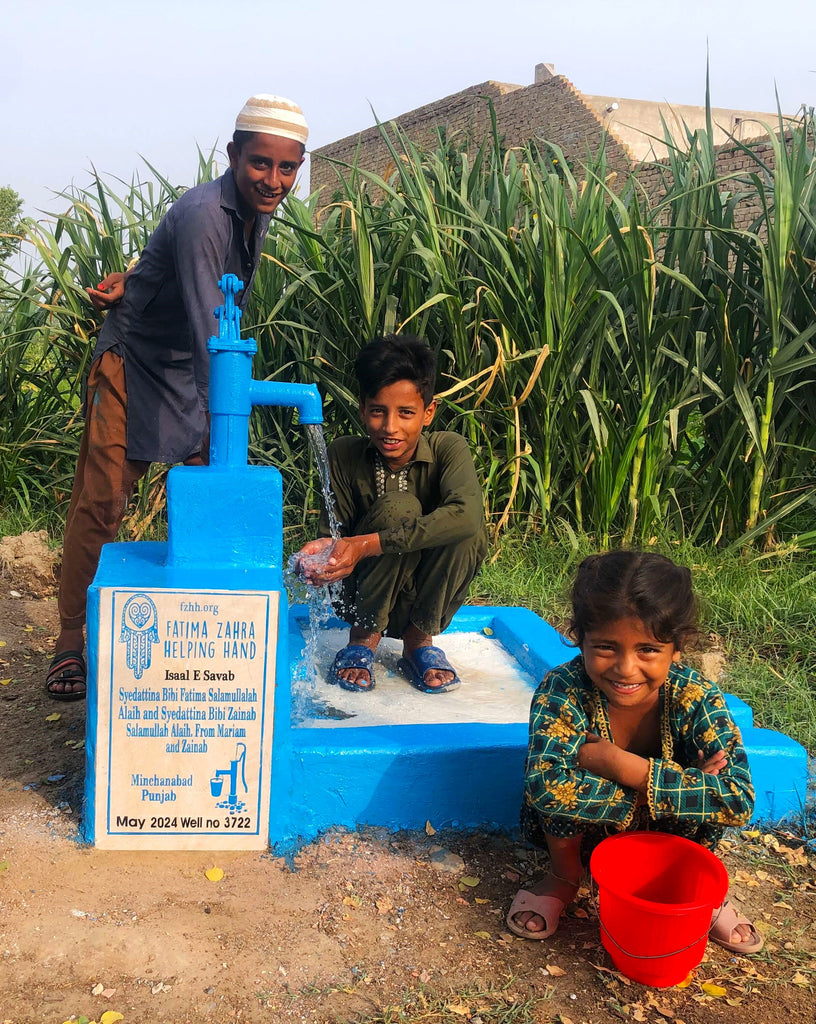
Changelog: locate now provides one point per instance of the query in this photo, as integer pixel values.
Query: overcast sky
(86, 84)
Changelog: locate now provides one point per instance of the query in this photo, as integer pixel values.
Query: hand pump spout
(233, 392)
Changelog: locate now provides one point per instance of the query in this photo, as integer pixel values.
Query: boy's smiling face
(394, 419)
(265, 169)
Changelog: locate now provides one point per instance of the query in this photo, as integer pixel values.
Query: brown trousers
(103, 485)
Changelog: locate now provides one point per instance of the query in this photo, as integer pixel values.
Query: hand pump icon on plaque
(232, 803)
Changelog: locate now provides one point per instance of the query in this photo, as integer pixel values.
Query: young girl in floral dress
(626, 737)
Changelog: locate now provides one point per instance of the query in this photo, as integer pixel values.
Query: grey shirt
(163, 323)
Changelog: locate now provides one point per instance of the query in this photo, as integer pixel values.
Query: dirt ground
(356, 926)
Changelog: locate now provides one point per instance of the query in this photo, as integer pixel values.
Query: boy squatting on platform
(411, 520)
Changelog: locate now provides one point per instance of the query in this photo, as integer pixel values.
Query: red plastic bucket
(656, 893)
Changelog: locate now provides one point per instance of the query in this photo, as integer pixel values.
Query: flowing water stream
(305, 702)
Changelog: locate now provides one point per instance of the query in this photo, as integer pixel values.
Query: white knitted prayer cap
(273, 115)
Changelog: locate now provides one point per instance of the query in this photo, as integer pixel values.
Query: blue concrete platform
(461, 774)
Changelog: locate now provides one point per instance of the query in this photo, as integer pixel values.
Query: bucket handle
(657, 956)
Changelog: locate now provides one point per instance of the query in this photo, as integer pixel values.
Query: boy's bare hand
(312, 558)
(345, 554)
(714, 764)
(108, 292)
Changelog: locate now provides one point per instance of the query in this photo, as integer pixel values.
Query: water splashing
(305, 702)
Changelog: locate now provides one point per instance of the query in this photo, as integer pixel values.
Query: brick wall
(552, 110)
(730, 160)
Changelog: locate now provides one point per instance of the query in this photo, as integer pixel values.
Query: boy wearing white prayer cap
(147, 392)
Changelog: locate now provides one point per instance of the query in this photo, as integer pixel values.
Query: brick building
(552, 109)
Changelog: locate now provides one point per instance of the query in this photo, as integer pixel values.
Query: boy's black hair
(396, 357)
(634, 584)
(240, 139)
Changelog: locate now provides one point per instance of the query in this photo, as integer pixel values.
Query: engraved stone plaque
(183, 722)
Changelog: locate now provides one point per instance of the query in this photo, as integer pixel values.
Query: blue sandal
(423, 660)
(352, 656)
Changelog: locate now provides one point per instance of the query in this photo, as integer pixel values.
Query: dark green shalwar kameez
(432, 533)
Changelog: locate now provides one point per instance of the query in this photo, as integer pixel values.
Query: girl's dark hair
(396, 357)
(634, 584)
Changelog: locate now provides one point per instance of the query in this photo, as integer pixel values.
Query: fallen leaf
(482, 935)
(353, 901)
(53, 718)
(384, 905)
(554, 971)
(487, 631)
(458, 1008)
(214, 874)
(579, 912)
(733, 1002)
(478, 900)
(713, 990)
(98, 989)
(469, 880)
(686, 981)
(795, 857)
(638, 1014)
(111, 1017)
(4, 682)
(429, 829)
(4, 865)
(800, 979)
(746, 879)
(783, 904)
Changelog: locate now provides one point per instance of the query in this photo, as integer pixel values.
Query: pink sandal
(550, 908)
(725, 920)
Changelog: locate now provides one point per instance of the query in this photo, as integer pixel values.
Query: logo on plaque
(139, 632)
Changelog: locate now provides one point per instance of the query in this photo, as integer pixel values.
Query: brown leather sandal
(67, 668)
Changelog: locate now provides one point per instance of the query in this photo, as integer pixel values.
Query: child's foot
(535, 912)
(733, 931)
(66, 679)
(435, 677)
(358, 676)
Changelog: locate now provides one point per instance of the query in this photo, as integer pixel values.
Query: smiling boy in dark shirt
(410, 509)
(147, 395)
